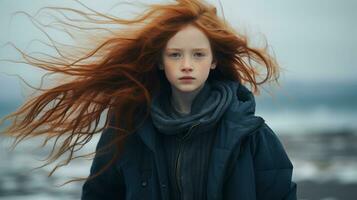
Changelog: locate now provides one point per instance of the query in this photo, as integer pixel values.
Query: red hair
(120, 74)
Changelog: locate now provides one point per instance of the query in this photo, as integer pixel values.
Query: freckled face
(187, 54)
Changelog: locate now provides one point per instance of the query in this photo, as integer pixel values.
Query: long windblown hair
(119, 74)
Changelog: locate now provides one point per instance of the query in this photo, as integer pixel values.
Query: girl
(180, 121)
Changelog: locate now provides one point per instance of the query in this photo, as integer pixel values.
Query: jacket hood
(207, 108)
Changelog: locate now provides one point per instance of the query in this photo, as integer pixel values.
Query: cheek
(166, 62)
(206, 66)
(169, 71)
(169, 63)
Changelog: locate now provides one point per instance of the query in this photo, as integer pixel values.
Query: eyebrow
(195, 49)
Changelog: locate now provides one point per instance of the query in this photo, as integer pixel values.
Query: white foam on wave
(342, 171)
(318, 119)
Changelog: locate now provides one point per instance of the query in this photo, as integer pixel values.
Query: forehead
(189, 37)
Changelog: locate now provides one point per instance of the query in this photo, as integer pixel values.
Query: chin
(187, 87)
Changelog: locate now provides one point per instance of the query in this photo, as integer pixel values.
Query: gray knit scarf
(207, 108)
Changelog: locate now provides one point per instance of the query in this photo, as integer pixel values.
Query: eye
(174, 55)
(199, 54)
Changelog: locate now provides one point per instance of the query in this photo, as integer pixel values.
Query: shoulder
(113, 144)
(268, 151)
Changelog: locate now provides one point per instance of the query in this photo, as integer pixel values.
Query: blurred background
(313, 111)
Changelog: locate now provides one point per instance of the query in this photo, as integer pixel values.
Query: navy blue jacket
(248, 162)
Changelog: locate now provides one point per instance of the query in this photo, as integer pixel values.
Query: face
(187, 59)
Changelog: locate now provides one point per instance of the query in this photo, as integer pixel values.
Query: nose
(187, 64)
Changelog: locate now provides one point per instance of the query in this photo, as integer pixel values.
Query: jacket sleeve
(109, 184)
(273, 169)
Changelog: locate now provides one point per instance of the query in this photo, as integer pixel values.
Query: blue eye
(174, 55)
(199, 54)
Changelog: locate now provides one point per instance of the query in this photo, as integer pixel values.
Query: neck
(182, 101)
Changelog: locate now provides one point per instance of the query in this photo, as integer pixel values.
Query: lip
(186, 78)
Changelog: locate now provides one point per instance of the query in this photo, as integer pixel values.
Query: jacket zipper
(178, 158)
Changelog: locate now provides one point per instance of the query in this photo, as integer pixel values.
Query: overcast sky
(314, 40)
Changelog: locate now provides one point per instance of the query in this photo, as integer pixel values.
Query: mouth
(186, 78)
